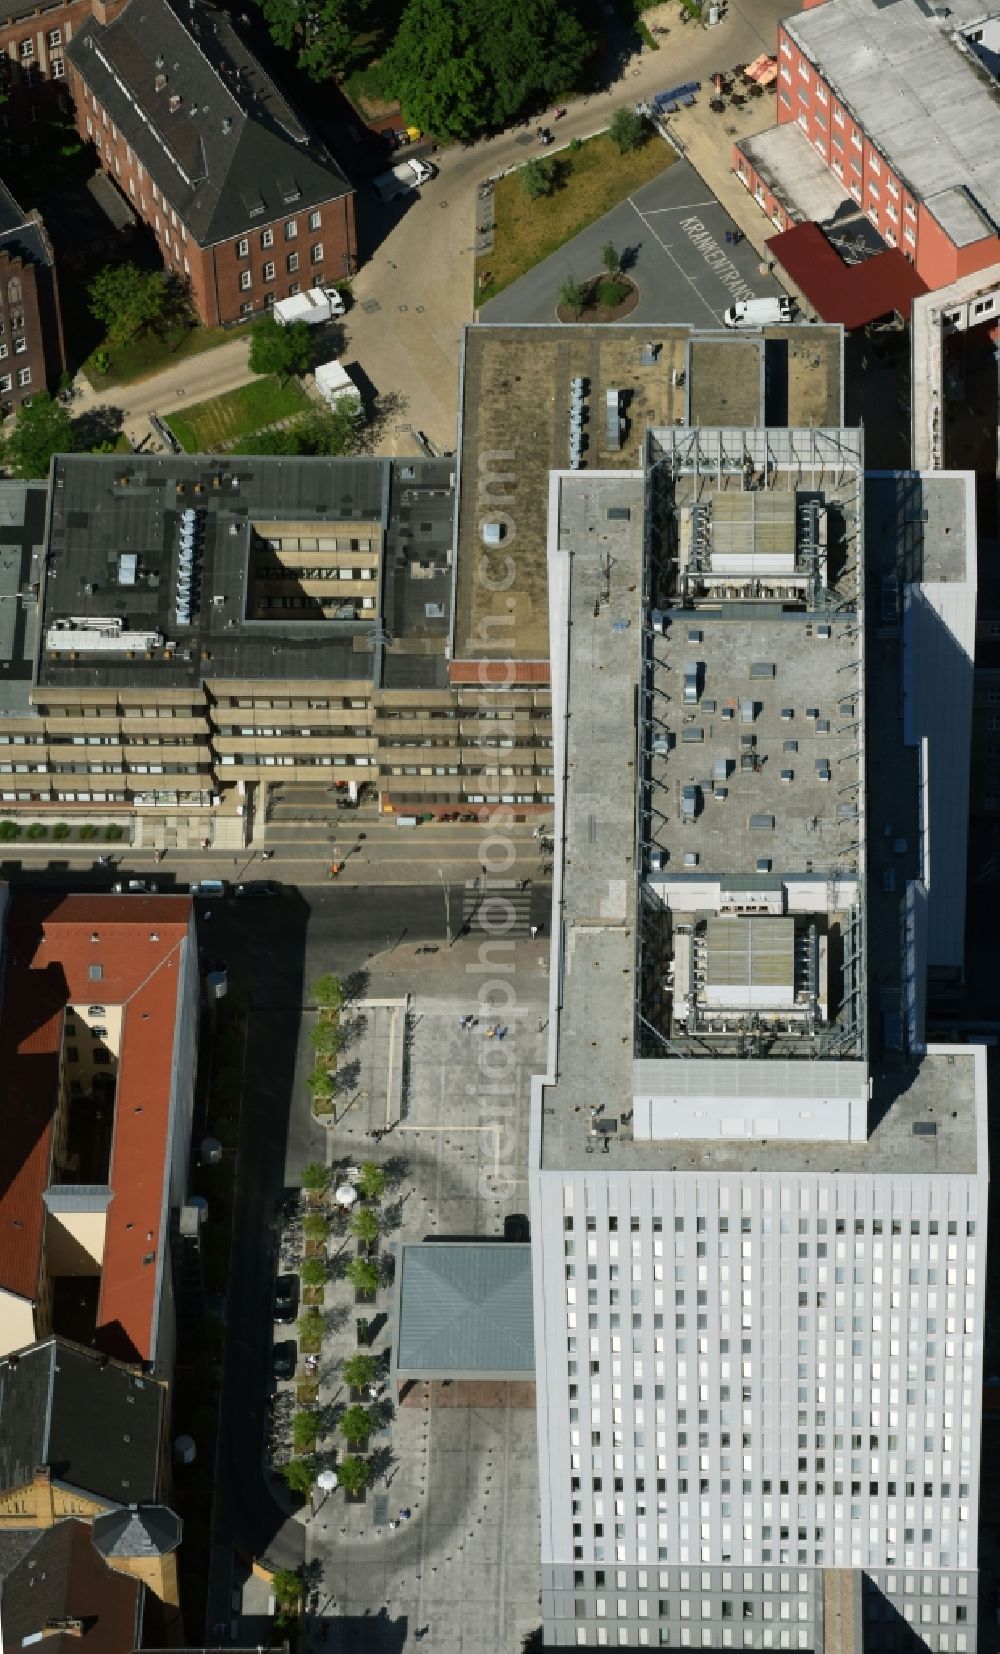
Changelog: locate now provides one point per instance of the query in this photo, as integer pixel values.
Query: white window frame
(243, 247)
(246, 280)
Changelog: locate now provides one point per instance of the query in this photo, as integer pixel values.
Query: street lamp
(447, 905)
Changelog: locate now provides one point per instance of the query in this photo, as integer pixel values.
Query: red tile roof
(502, 672)
(139, 948)
(852, 294)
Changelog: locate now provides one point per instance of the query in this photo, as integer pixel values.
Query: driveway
(672, 237)
(414, 295)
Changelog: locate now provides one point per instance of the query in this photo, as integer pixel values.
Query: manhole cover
(419, 309)
(370, 306)
(380, 1509)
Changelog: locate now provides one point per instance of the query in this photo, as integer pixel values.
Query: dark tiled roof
(95, 1424)
(230, 154)
(21, 236)
(145, 1531)
(62, 1577)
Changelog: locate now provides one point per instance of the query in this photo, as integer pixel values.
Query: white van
(759, 312)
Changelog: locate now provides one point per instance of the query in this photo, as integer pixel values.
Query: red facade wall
(806, 97)
(323, 243)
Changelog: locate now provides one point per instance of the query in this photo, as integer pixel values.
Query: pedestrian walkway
(498, 908)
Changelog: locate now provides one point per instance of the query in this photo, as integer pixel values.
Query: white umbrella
(327, 1480)
(346, 1194)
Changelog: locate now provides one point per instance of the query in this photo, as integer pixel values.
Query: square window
(316, 252)
(27, 49)
(243, 247)
(292, 263)
(291, 229)
(246, 278)
(314, 220)
(267, 238)
(24, 376)
(269, 270)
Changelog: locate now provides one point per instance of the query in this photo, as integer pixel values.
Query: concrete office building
(758, 1194)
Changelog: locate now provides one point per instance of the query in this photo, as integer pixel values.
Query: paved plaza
(455, 1102)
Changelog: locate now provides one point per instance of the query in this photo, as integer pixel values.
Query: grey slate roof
(149, 1530)
(20, 236)
(93, 1422)
(231, 155)
(465, 1311)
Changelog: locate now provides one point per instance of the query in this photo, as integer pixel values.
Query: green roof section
(465, 1311)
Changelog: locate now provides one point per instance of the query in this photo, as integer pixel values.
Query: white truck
(409, 175)
(337, 388)
(320, 304)
(759, 312)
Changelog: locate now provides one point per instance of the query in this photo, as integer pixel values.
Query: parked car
(136, 887)
(284, 1359)
(209, 888)
(286, 1298)
(257, 887)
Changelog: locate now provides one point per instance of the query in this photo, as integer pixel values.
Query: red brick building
(900, 102)
(33, 40)
(245, 204)
(31, 337)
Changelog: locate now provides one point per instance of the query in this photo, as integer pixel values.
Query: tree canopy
(320, 34)
(42, 428)
(280, 350)
(127, 300)
(461, 66)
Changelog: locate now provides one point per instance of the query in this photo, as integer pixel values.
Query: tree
(315, 1177)
(281, 350)
(313, 1272)
(359, 1371)
(610, 258)
(320, 34)
(356, 1424)
(459, 66)
(431, 67)
(304, 1432)
(299, 1475)
(363, 1275)
(365, 1225)
(627, 130)
(286, 1584)
(371, 1180)
(538, 178)
(42, 428)
(328, 992)
(353, 1473)
(310, 1330)
(315, 1227)
(571, 295)
(320, 1083)
(325, 1039)
(128, 301)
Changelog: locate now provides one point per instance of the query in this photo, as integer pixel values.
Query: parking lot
(672, 238)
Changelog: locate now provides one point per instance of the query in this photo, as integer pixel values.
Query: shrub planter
(605, 299)
(363, 1297)
(356, 1498)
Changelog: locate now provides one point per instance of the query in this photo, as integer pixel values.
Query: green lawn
(153, 352)
(239, 413)
(595, 179)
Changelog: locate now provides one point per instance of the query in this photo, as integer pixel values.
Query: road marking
(679, 267)
(651, 212)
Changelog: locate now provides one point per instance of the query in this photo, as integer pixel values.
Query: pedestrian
(534, 932)
(393, 1525)
(405, 1514)
(207, 915)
